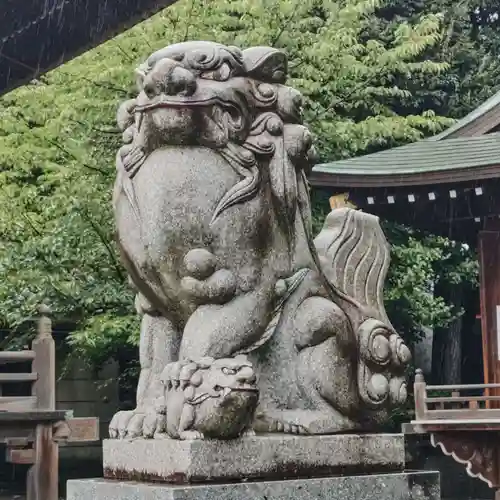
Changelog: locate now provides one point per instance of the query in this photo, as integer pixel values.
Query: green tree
(58, 141)
(470, 43)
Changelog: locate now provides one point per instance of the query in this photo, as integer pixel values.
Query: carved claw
(268, 423)
(190, 435)
(113, 432)
(150, 424)
(135, 424)
(170, 375)
(295, 429)
(184, 375)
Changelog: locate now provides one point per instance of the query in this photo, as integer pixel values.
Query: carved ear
(140, 74)
(205, 363)
(290, 103)
(266, 64)
(124, 116)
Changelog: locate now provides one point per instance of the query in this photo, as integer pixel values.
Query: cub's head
(223, 393)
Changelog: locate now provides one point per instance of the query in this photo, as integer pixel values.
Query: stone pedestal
(396, 486)
(274, 467)
(262, 457)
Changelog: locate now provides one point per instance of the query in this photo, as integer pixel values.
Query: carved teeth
(226, 391)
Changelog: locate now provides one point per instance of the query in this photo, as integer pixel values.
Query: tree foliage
(58, 140)
(470, 44)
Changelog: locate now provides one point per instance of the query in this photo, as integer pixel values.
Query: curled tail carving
(355, 258)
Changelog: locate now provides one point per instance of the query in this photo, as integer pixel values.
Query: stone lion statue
(214, 227)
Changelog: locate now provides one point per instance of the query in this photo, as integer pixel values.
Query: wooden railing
(465, 427)
(30, 426)
(42, 375)
(456, 406)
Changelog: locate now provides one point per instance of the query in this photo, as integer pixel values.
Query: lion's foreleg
(159, 345)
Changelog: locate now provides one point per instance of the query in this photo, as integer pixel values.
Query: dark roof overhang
(457, 210)
(39, 35)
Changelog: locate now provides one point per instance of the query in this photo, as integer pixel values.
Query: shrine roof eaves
(477, 122)
(424, 162)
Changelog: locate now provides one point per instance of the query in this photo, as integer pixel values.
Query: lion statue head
(232, 101)
(210, 398)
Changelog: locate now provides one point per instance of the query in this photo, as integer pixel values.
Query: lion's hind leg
(303, 422)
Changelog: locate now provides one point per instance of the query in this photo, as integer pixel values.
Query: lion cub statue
(248, 323)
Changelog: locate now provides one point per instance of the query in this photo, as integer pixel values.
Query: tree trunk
(447, 344)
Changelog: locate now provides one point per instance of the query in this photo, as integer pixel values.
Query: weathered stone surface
(273, 456)
(398, 486)
(214, 226)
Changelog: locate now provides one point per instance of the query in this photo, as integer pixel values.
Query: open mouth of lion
(182, 101)
(225, 391)
(245, 388)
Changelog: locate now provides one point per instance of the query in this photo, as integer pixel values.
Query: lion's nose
(168, 78)
(246, 374)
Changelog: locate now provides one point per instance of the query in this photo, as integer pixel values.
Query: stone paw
(248, 433)
(181, 374)
(265, 423)
(190, 435)
(203, 283)
(290, 428)
(134, 424)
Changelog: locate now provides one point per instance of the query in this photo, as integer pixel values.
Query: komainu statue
(248, 323)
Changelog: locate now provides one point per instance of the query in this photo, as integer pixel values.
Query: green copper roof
(463, 152)
(418, 163)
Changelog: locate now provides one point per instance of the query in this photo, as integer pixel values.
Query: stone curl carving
(214, 227)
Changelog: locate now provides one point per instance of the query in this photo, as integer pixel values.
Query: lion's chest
(177, 191)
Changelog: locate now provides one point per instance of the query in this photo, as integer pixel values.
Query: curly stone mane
(241, 109)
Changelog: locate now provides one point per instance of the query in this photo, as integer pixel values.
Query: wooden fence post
(419, 388)
(43, 478)
(45, 362)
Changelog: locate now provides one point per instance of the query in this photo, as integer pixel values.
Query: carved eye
(221, 74)
(228, 371)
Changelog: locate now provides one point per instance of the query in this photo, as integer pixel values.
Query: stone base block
(261, 457)
(396, 486)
